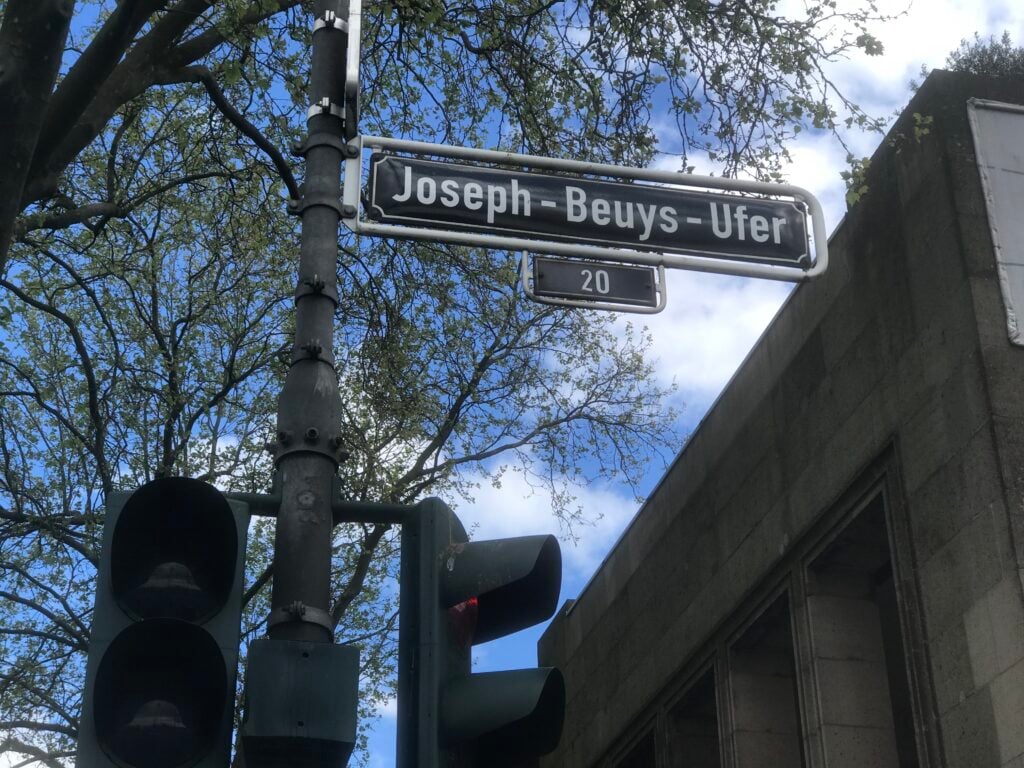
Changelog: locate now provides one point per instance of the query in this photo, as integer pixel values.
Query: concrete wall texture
(840, 545)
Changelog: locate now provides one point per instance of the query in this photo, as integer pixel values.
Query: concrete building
(830, 574)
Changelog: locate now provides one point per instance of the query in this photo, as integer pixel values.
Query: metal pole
(308, 445)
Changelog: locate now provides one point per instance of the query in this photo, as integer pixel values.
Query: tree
(146, 267)
(177, 369)
(561, 77)
(991, 57)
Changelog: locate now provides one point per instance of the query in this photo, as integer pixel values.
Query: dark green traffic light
(160, 680)
(505, 715)
(456, 593)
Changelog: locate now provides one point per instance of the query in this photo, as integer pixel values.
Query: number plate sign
(596, 281)
(427, 193)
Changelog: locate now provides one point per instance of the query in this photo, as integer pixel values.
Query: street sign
(429, 193)
(594, 281)
(584, 210)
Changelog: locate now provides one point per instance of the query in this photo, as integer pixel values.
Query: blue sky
(712, 321)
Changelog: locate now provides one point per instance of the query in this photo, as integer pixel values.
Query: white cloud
(516, 509)
(709, 325)
(711, 321)
(926, 34)
(816, 160)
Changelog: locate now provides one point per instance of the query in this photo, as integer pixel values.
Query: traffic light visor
(174, 551)
(159, 696)
(516, 582)
(506, 714)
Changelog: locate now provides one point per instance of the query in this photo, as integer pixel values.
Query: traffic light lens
(171, 590)
(186, 572)
(159, 697)
(462, 621)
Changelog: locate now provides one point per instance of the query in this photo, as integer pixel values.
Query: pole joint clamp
(296, 207)
(321, 139)
(331, 20)
(313, 350)
(300, 612)
(307, 440)
(316, 286)
(325, 106)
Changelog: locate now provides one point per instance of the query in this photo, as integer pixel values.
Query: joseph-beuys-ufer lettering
(433, 194)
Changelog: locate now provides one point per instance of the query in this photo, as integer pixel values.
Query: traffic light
(456, 593)
(160, 678)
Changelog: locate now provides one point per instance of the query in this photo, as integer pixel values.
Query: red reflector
(462, 620)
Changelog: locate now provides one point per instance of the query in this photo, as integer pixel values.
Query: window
(765, 713)
(642, 755)
(812, 666)
(692, 727)
(860, 665)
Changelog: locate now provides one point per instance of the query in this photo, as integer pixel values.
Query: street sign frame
(354, 185)
(352, 90)
(659, 288)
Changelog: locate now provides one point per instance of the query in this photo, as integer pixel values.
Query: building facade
(830, 574)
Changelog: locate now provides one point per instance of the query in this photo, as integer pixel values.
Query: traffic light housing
(455, 594)
(301, 704)
(160, 678)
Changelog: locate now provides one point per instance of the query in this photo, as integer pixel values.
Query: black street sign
(427, 193)
(594, 281)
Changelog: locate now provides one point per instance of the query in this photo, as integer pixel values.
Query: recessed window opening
(858, 653)
(765, 709)
(642, 755)
(692, 727)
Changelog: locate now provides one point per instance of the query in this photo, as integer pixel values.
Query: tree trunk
(31, 46)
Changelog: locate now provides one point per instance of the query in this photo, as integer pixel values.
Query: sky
(712, 321)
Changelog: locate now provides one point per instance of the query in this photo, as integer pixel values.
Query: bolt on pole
(308, 445)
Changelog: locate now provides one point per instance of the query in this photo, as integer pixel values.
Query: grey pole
(308, 445)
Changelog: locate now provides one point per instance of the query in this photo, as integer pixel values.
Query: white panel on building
(999, 145)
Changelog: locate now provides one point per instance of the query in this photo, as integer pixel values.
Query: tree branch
(30, 725)
(32, 41)
(48, 758)
(88, 74)
(362, 568)
(156, 51)
(204, 76)
(257, 585)
(107, 210)
(98, 422)
(131, 77)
